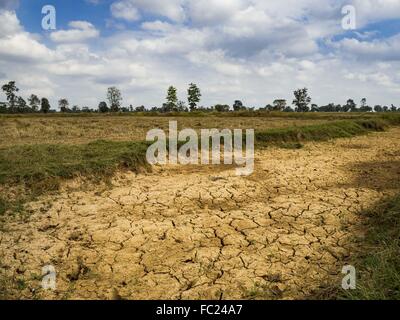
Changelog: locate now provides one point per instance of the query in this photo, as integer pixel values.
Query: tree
(45, 105)
(302, 100)
(140, 109)
(378, 108)
(279, 105)
(63, 104)
(363, 102)
(288, 109)
(172, 99)
(22, 106)
(10, 90)
(222, 108)
(103, 108)
(114, 98)
(194, 96)
(269, 107)
(238, 105)
(364, 107)
(3, 108)
(393, 108)
(314, 108)
(34, 102)
(181, 107)
(350, 106)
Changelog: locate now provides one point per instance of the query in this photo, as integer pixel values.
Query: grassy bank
(320, 132)
(33, 164)
(40, 168)
(379, 266)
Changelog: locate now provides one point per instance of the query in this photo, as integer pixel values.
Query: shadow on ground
(377, 258)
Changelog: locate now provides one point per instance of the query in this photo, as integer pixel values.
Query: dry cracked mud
(203, 232)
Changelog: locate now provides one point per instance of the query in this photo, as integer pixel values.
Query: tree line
(302, 102)
(17, 104)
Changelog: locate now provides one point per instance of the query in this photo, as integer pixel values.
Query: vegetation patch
(41, 167)
(319, 132)
(379, 266)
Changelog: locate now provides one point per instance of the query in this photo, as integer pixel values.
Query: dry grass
(81, 130)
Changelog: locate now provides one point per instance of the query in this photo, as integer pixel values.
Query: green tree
(114, 98)
(222, 108)
(63, 104)
(288, 109)
(172, 99)
(279, 104)
(22, 106)
(350, 106)
(364, 107)
(302, 100)
(238, 105)
(10, 89)
(34, 102)
(103, 108)
(269, 107)
(182, 106)
(363, 102)
(45, 105)
(194, 96)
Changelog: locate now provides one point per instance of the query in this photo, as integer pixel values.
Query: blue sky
(252, 50)
(29, 13)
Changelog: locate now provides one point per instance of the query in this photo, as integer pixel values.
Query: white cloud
(251, 50)
(378, 49)
(18, 45)
(125, 10)
(130, 9)
(80, 31)
(9, 24)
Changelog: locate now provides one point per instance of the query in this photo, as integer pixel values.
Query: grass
(36, 164)
(378, 263)
(41, 168)
(379, 266)
(320, 132)
(77, 129)
(3, 206)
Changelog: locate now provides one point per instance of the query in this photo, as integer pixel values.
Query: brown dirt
(204, 233)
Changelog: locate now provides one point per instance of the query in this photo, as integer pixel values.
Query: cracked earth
(202, 232)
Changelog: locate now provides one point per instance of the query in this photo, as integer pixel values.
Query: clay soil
(204, 233)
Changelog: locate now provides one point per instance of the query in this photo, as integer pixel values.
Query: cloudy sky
(253, 50)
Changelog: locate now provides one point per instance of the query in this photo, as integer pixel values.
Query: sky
(250, 50)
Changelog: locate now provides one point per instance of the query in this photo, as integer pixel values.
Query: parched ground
(204, 233)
